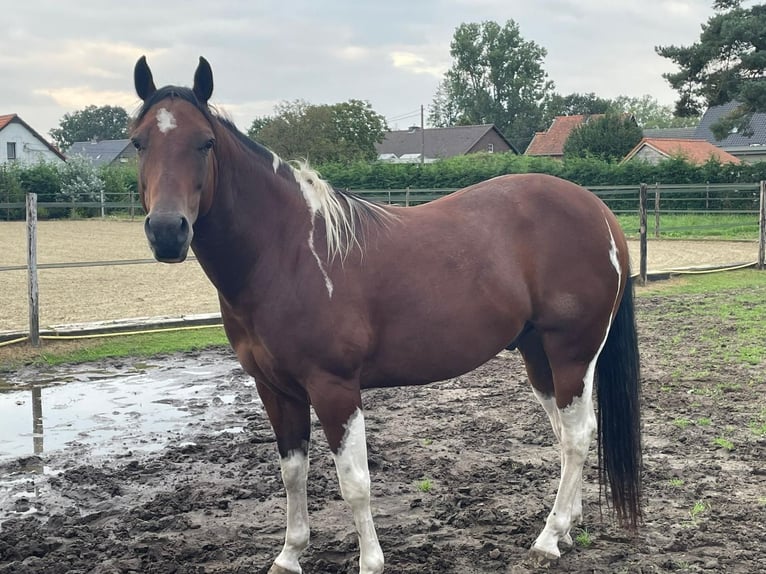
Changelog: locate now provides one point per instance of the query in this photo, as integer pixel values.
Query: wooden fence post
(407, 197)
(762, 229)
(34, 303)
(657, 209)
(642, 201)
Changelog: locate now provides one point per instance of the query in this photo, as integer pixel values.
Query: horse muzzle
(169, 236)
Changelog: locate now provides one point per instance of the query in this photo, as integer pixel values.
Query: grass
(697, 510)
(53, 353)
(695, 225)
(730, 302)
(724, 443)
(676, 482)
(584, 538)
(424, 485)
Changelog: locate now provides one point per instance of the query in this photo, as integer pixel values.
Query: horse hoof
(279, 570)
(542, 557)
(567, 540)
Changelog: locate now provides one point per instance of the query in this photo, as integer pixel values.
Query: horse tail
(619, 420)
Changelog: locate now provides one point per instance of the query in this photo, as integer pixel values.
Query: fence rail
(729, 199)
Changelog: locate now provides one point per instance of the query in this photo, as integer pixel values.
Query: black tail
(619, 428)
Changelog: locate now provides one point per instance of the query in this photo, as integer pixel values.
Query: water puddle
(117, 407)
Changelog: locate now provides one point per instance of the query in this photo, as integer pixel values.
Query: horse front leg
(290, 419)
(339, 410)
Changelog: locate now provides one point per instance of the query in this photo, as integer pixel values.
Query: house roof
(14, 118)
(671, 133)
(101, 152)
(694, 151)
(715, 113)
(551, 142)
(439, 142)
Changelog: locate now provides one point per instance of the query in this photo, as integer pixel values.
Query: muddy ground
(213, 502)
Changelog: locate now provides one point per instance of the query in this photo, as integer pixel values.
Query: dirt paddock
(212, 502)
(464, 472)
(79, 295)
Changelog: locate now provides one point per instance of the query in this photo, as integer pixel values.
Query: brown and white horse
(324, 294)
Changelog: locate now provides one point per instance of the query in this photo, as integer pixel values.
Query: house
(550, 143)
(671, 133)
(20, 143)
(104, 152)
(749, 148)
(654, 150)
(407, 146)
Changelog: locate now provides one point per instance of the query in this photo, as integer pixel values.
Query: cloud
(78, 97)
(416, 64)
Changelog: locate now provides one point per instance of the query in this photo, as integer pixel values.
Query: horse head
(174, 136)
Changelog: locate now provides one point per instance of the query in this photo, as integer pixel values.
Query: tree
(343, 132)
(496, 78)
(92, 122)
(574, 104)
(610, 137)
(728, 63)
(650, 113)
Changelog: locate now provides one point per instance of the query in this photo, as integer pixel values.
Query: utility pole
(422, 137)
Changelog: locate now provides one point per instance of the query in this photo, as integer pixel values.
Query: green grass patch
(584, 538)
(723, 443)
(85, 350)
(695, 225)
(682, 423)
(676, 482)
(731, 302)
(424, 485)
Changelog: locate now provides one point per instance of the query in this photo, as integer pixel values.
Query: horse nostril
(184, 225)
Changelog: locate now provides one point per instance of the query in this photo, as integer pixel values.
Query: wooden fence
(723, 199)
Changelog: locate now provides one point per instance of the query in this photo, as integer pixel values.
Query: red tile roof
(694, 151)
(6, 119)
(551, 142)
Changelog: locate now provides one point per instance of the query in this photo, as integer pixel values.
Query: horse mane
(345, 214)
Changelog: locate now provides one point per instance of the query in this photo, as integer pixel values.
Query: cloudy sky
(59, 57)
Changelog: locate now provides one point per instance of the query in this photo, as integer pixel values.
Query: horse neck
(256, 214)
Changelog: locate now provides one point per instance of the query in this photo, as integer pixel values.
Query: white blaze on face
(166, 121)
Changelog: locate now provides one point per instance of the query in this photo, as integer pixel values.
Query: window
(11, 150)
(491, 148)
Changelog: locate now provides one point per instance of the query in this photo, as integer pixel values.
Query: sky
(59, 57)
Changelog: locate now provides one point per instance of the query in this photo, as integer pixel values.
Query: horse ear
(203, 81)
(142, 77)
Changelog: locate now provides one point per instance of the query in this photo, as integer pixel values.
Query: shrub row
(78, 181)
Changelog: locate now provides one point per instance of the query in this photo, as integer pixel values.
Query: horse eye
(209, 144)
(137, 145)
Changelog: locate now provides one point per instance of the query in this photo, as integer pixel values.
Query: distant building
(550, 143)
(21, 144)
(104, 152)
(407, 146)
(749, 148)
(654, 150)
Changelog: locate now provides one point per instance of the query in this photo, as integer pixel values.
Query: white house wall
(29, 149)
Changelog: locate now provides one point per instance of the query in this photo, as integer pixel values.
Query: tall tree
(650, 113)
(343, 132)
(574, 104)
(92, 122)
(496, 77)
(728, 63)
(610, 137)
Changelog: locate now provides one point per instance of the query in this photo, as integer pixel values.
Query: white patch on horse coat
(314, 204)
(166, 121)
(275, 161)
(295, 468)
(354, 479)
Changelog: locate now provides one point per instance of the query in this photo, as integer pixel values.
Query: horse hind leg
(574, 425)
